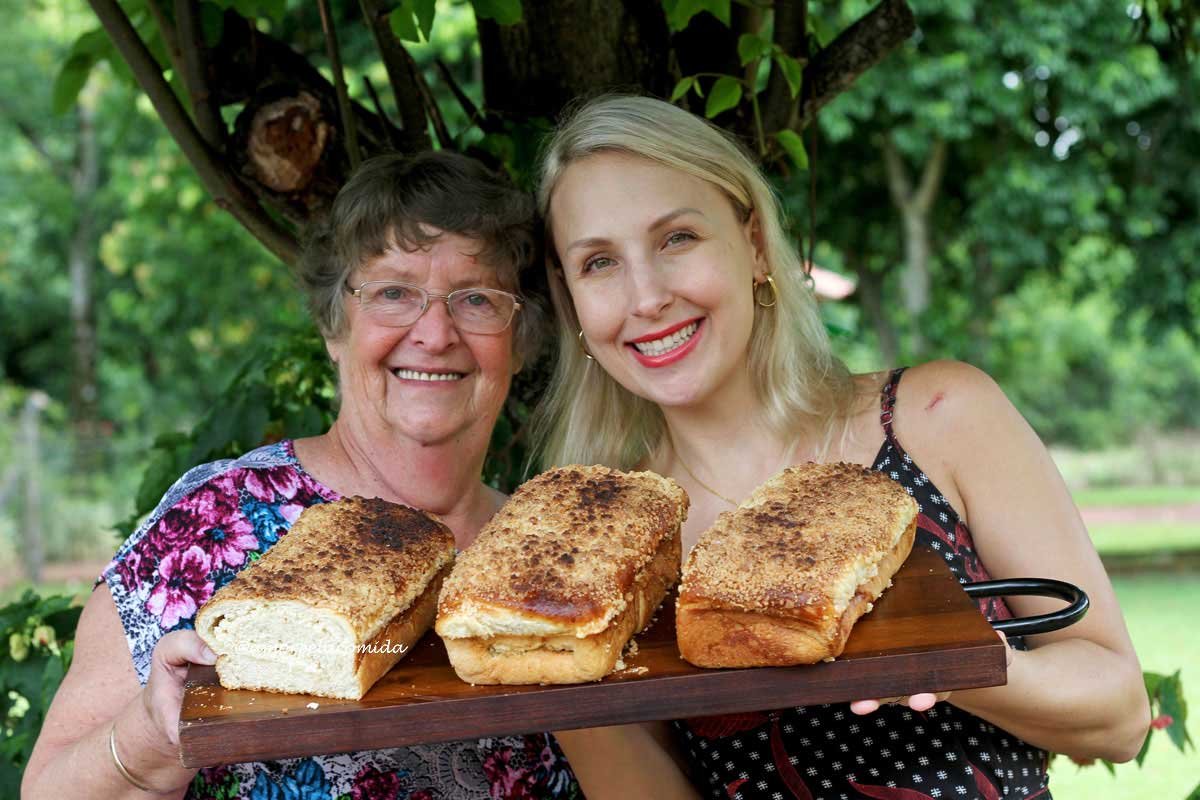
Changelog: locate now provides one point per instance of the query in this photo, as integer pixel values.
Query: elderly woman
(691, 345)
(413, 284)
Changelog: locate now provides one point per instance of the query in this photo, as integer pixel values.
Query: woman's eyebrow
(596, 241)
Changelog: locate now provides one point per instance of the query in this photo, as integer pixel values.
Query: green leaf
(1172, 703)
(793, 73)
(724, 95)
(752, 47)
(70, 81)
(680, 12)
(1141, 756)
(403, 24)
(505, 12)
(682, 88)
(1195, 793)
(794, 146)
(1152, 680)
(425, 10)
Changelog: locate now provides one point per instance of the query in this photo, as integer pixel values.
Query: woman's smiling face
(429, 381)
(660, 269)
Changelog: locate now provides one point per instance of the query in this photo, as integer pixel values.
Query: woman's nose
(435, 329)
(650, 289)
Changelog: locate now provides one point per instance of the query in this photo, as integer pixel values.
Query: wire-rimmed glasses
(474, 310)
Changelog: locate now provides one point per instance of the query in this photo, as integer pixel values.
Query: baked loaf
(782, 579)
(571, 567)
(334, 604)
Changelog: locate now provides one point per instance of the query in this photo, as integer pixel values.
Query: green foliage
(37, 636)
(1169, 710)
(794, 145)
(680, 12)
(287, 391)
(725, 93)
(505, 12)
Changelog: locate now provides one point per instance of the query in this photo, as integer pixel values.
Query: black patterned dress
(828, 753)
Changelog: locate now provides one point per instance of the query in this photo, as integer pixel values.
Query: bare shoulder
(943, 397)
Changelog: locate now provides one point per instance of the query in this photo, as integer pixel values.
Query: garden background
(1016, 185)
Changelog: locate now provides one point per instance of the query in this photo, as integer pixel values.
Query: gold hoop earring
(583, 346)
(770, 284)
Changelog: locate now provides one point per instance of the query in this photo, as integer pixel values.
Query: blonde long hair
(586, 417)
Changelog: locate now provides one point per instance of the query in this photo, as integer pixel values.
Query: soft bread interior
(289, 646)
(567, 658)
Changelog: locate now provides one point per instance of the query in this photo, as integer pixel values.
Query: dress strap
(887, 403)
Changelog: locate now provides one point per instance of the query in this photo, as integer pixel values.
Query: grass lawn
(1160, 611)
(1137, 496)
(1145, 537)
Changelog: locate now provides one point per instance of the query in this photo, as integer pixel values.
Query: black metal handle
(1040, 587)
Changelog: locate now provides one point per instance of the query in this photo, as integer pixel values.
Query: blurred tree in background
(1014, 185)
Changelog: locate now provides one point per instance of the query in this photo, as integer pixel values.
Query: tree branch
(345, 112)
(856, 49)
(431, 107)
(227, 192)
(931, 177)
(899, 185)
(56, 167)
(392, 134)
(166, 29)
(193, 70)
(791, 36)
(474, 115)
(396, 61)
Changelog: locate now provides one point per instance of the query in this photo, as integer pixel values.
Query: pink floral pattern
(214, 522)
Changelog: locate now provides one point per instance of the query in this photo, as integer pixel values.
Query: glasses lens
(393, 303)
(481, 310)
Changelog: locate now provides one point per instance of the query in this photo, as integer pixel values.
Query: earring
(770, 284)
(583, 346)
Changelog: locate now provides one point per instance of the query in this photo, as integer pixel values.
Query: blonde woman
(691, 345)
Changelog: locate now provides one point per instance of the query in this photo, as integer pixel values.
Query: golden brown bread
(334, 604)
(566, 572)
(782, 579)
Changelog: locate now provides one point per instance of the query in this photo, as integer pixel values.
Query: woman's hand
(917, 702)
(163, 695)
(925, 700)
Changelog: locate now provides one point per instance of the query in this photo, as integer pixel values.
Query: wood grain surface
(924, 634)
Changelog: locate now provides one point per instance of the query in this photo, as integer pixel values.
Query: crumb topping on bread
(364, 559)
(801, 545)
(562, 555)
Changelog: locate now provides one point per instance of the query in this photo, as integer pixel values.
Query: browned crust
(566, 658)
(404, 631)
(567, 546)
(793, 543)
(365, 560)
(710, 636)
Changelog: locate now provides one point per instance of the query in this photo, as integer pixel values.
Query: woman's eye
(599, 262)
(679, 237)
(393, 293)
(478, 300)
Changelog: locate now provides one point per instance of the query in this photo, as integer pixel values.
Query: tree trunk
(870, 295)
(32, 551)
(563, 49)
(81, 261)
(983, 291)
(915, 207)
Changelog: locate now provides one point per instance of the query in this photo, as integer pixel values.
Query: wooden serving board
(924, 635)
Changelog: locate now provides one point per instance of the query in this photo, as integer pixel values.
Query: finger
(864, 706)
(922, 702)
(180, 648)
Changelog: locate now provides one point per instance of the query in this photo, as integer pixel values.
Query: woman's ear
(754, 234)
(334, 348)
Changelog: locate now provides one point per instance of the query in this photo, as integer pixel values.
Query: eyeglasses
(398, 305)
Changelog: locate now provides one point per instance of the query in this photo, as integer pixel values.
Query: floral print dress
(218, 519)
